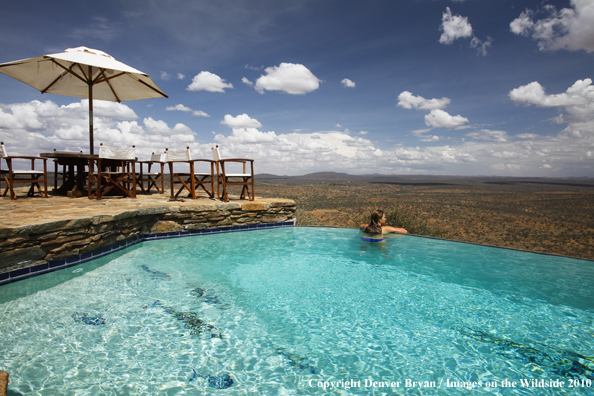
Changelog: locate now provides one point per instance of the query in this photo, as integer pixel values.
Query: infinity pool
(298, 311)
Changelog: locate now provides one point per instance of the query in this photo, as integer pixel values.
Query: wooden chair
(152, 178)
(12, 176)
(226, 178)
(116, 172)
(189, 180)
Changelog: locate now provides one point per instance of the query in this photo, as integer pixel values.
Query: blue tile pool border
(28, 272)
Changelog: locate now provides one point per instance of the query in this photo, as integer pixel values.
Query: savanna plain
(546, 215)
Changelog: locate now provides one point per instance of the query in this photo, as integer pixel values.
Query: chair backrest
(178, 155)
(117, 153)
(216, 154)
(3, 151)
(159, 157)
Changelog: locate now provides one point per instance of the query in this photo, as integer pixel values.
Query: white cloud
(207, 81)
(181, 107)
(291, 78)
(528, 136)
(437, 118)
(487, 135)
(35, 127)
(420, 133)
(570, 29)
(489, 153)
(241, 121)
(409, 101)
(348, 83)
(254, 67)
(249, 135)
(440, 118)
(481, 46)
(160, 127)
(102, 108)
(577, 100)
(246, 81)
(180, 76)
(454, 27)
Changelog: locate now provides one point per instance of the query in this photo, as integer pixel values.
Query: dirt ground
(541, 215)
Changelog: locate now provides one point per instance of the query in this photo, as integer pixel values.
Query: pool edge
(470, 243)
(34, 270)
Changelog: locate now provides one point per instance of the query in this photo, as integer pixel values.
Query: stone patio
(36, 230)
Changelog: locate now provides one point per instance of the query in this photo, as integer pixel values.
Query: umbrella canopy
(84, 73)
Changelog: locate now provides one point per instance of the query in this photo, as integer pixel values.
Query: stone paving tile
(36, 210)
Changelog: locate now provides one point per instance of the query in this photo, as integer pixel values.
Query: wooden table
(75, 177)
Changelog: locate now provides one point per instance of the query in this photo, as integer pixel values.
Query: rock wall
(48, 242)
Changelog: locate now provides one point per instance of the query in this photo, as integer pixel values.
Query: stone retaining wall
(52, 241)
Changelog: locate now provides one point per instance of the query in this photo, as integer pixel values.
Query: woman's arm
(388, 229)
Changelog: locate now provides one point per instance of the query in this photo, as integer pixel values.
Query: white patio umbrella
(84, 73)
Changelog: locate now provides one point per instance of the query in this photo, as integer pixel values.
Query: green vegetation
(306, 218)
(403, 217)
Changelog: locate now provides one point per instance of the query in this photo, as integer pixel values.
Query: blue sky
(443, 87)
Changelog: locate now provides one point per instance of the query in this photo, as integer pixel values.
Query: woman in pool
(377, 225)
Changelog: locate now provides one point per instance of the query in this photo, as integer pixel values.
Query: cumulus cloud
(165, 76)
(347, 83)
(570, 29)
(181, 107)
(248, 136)
(577, 100)
(160, 127)
(241, 121)
(247, 82)
(454, 27)
(180, 76)
(207, 81)
(439, 118)
(409, 101)
(291, 78)
(36, 127)
(102, 108)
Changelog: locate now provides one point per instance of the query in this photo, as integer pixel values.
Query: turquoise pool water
(298, 311)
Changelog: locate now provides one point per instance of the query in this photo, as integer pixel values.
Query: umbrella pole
(91, 116)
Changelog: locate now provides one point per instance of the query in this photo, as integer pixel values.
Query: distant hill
(317, 176)
(420, 180)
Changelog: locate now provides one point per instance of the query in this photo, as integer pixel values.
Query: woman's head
(376, 217)
(375, 225)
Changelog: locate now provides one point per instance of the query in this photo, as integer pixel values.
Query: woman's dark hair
(374, 226)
